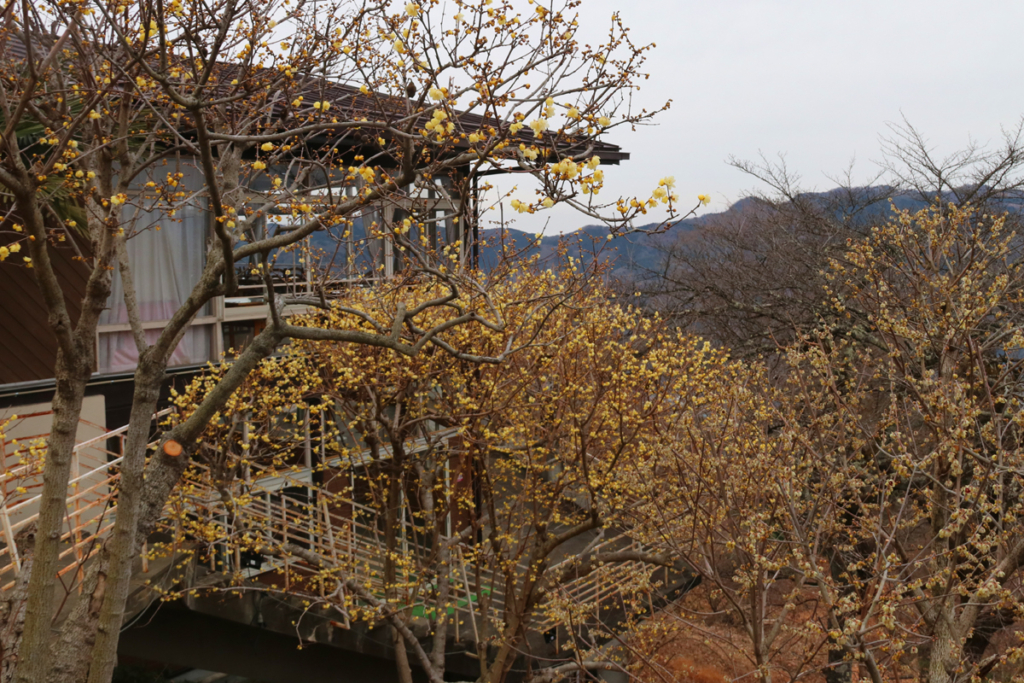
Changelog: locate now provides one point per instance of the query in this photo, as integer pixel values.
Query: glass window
(238, 335)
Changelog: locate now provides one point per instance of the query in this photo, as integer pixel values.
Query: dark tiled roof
(347, 100)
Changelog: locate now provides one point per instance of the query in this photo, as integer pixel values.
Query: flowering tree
(497, 494)
(276, 106)
(872, 490)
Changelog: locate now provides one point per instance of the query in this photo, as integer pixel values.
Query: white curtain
(167, 257)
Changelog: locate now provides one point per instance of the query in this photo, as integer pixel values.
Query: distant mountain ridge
(640, 251)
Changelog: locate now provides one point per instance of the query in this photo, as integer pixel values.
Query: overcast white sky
(815, 79)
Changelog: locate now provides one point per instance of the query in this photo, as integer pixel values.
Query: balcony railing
(352, 542)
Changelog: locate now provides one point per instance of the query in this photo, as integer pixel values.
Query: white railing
(89, 506)
(336, 528)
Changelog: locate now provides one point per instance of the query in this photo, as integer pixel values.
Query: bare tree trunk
(12, 611)
(121, 545)
(70, 650)
(941, 651)
(72, 374)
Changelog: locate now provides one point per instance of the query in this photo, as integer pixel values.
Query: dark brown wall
(28, 349)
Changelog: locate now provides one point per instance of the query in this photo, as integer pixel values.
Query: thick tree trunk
(941, 652)
(121, 546)
(72, 374)
(12, 608)
(69, 653)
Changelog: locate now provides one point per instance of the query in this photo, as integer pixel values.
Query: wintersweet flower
(549, 107)
(539, 126)
(668, 181)
(399, 47)
(94, 115)
(16, 247)
(267, 146)
(566, 168)
(435, 93)
(412, 9)
(258, 165)
(604, 121)
(548, 202)
(594, 162)
(704, 199)
(573, 113)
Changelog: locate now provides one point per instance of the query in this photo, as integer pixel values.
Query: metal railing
(347, 535)
(90, 506)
